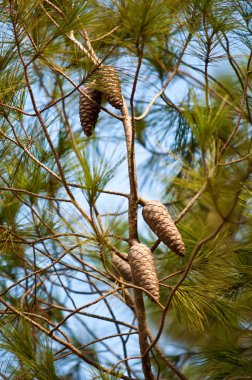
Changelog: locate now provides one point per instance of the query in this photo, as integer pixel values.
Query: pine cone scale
(161, 223)
(122, 267)
(143, 268)
(88, 110)
(108, 82)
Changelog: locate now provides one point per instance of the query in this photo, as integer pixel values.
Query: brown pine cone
(88, 110)
(122, 267)
(143, 268)
(159, 220)
(108, 82)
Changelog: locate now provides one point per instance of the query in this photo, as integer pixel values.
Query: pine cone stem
(141, 201)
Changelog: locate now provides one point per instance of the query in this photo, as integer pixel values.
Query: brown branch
(133, 199)
(13, 189)
(133, 236)
(191, 203)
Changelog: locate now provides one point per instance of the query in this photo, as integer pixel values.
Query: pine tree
(172, 119)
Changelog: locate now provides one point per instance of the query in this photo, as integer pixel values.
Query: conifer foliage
(90, 287)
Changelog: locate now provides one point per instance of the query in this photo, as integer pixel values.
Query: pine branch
(59, 340)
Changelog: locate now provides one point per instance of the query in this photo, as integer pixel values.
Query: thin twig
(231, 136)
(235, 161)
(148, 108)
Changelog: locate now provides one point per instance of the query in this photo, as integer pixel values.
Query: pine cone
(159, 220)
(108, 82)
(89, 111)
(122, 267)
(143, 268)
